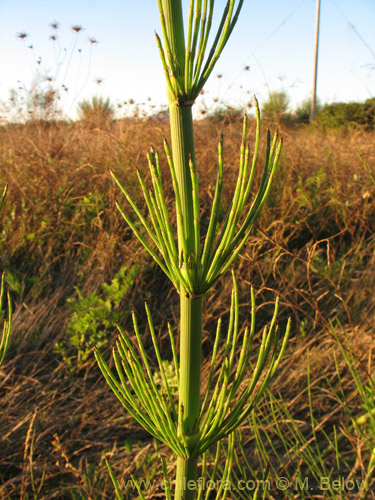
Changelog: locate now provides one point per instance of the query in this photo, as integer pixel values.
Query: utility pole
(313, 100)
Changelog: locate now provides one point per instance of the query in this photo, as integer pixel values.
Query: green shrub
(275, 109)
(97, 111)
(226, 114)
(93, 317)
(347, 114)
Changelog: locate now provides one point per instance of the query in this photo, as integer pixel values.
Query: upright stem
(189, 391)
(190, 364)
(181, 119)
(174, 25)
(181, 122)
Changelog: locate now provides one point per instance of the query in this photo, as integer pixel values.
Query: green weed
(93, 317)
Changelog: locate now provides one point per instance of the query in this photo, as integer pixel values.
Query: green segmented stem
(174, 39)
(190, 427)
(181, 121)
(183, 154)
(190, 361)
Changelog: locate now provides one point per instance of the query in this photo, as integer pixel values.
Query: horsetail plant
(4, 342)
(193, 264)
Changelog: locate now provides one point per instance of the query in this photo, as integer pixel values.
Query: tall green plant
(4, 342)
(194, 264)
(275, 109)
(96, 111)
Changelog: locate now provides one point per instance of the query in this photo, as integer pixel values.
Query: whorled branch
(231, 391)
(196, 271)
(187, 73)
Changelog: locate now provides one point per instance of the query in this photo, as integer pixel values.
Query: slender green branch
(195, 193)
(165, 64)
(7, 325)
(114, 480)
(205, 31)
(160, 363)
(215, 207)
(3, 196)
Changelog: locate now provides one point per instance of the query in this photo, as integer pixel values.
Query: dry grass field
(74, 270)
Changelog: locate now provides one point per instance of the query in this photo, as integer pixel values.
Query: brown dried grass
(314, 246)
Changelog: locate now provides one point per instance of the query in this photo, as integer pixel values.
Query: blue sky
(274, 38)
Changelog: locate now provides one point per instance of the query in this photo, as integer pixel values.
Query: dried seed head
(22, 35)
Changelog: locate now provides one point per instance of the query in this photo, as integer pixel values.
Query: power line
(285, 20)
(351, 25)
(291, 14)
(279, 26)
(315, 79)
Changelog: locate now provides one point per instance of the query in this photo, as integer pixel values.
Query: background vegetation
(74, 270)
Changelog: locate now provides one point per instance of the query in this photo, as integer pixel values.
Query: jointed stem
(190, 364)
(181, 121)
(190, 429)
(186, 479)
